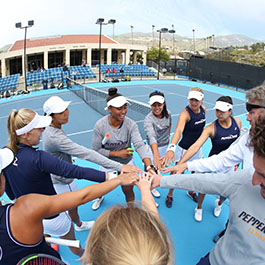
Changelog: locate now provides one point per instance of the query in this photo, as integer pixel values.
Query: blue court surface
(191, 239)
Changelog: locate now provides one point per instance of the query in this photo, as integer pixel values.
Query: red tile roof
(60, 40)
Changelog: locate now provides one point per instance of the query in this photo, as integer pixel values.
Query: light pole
(112, 21)
(19, 25)
(160, 31)
(132, 33)
(100, 22)
(172, 31)
(153, 31)
(193, 33)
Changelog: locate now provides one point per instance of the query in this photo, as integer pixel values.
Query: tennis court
(191, 239)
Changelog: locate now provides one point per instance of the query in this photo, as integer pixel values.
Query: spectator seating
(131, 70)
(57, 73)
(9, 82)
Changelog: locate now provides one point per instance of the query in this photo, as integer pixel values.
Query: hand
(130, 168)
(177, 169)
(145, 180)
(157, 162)
(167, 158)
(124, 153)
(156, 180)
(128, 179)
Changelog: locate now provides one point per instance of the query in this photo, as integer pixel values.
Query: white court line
(40, 109)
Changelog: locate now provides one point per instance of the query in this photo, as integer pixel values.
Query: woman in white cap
(21, 227)
(32, 169)
(222, 132)
(113, 136)
(190, 126)
(157, 125)
(56, 142)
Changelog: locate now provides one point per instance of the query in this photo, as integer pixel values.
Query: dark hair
(226, 99)
(164, 111)
(113, 93)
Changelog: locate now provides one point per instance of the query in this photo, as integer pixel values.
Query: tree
(153, 54)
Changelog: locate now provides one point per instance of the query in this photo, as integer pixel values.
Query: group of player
(36, 173)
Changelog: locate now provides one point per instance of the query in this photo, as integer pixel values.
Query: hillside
(183, 43)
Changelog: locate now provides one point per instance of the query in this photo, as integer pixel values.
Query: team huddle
(41, 183)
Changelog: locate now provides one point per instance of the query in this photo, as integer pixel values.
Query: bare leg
(200, 200)
(128, 192)
(71, 235)
(73, 213)
(221, 200)
(170, 193)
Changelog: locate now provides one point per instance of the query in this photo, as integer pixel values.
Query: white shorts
(162, 150)
(61, 225)
(58, 226)
(180, 153)
(61, 188)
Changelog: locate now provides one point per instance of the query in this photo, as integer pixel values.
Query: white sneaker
(217, 209)
(157, 205)
(198, 215)
(97, 203)
(155, 193)
(85, 226)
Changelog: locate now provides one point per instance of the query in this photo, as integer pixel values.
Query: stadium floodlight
(100, 22)
(19, 25)
(112, 21)
(160, 31)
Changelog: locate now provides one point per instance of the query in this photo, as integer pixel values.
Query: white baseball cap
(6, 158)
(117, 102)
(223, 106)
(156, 98)
(55, 105)
(195, 94)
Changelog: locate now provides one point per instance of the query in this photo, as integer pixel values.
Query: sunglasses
(250, 107)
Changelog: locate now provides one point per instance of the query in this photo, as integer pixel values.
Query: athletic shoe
(198, 215)
(85, 226)
(217, 209)
(169, 201)
(155, 193)
(193, 195)
(157, 205)
(97, 203)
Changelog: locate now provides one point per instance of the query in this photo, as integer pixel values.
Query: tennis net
(96, 99)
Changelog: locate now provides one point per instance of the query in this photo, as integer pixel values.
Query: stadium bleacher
(55, 74)
(9, 82)
(131, 70)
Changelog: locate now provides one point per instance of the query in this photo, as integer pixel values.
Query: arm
(144, 185)
(183, 118)
(66, 145)
(151, 136)
(225, 160)
(51, 164)
(140, 146)
(224, 184)
(32, 208)
(181, 166)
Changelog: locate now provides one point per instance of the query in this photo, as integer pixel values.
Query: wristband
(149, 167)
(113, 175)
(172, 147)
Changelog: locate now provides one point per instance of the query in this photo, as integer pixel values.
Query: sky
(62, 17)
